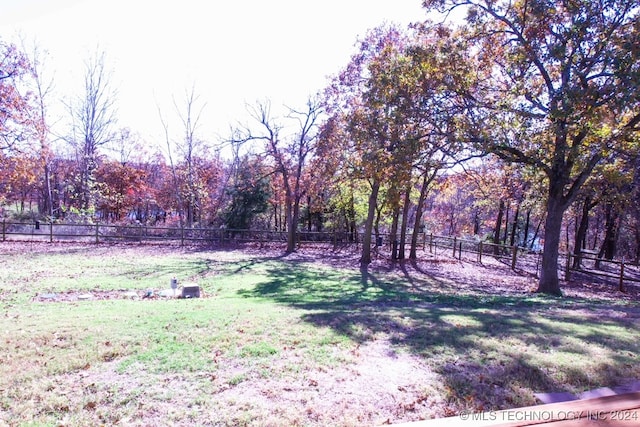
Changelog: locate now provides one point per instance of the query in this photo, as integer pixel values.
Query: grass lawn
(307, 339)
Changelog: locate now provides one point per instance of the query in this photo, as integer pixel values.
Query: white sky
(234, 52)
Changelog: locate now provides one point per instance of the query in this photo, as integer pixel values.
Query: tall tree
(42, 88)
(559, 91)
(189, 147)
(397, 100)
(92, 120)
(360, 110)
(289, 154)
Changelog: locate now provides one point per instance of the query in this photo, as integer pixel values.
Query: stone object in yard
(84, 297)
(131, 295)
(191, 291)
(168, 293)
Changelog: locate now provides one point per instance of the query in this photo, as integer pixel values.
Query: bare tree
(289, 155)
(176, 183)
(92, 121)
(185, 174)
(190, 118)
(43, 87)
(126, 145)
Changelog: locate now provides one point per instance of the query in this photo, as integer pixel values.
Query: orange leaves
(18, 177)
(15, 123)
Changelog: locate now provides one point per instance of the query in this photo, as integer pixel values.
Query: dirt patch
(102, 295)
(376, 386)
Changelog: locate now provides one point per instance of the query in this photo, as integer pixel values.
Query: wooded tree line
(519, 126)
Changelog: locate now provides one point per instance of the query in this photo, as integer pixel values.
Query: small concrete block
(191, 291)
(555, 397)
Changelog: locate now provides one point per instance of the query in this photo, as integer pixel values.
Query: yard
(306, 339)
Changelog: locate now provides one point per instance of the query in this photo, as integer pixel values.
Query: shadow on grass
(490, 351)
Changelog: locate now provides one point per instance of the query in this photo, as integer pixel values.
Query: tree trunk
(351, 219)
(498, 227)
(581, 234)
(376, 222)
(426, 180)
(405, 221)
(506, 224)
(549, 283)
(47, 205)
(309, 214)
(527, 223)
(610, 242)
(365, 259)
(393, 233)
(293, 213)
(637, 233)
(476, 223)
(535, 234)
(514, 226)
(594, 244)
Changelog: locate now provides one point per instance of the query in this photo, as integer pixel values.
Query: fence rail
(620, 271)
(98, 233)
(474, 250)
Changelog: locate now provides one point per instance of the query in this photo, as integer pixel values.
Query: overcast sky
(234, 52)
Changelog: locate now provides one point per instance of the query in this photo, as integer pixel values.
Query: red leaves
(15, 122)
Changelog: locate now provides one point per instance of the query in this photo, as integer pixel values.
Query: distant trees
(249, 191)
(119, 187)
(18, 180)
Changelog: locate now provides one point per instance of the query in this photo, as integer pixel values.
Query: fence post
(4, 232)
(431, 243)
(621, 284)
(480, 253)
(97, 233)
(567, 268)
(514, 256)
(50, 231)
(460, 251)
(454, 246)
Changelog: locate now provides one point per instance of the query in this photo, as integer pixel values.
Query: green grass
(278, 322)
